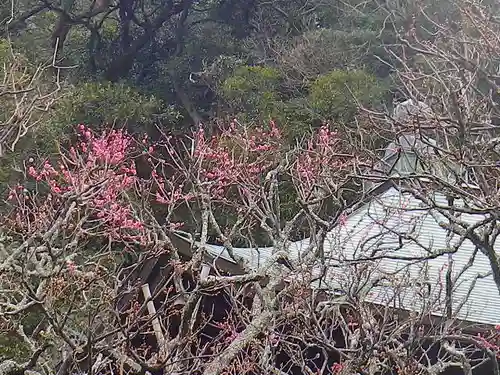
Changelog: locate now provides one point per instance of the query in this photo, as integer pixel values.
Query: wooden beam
(160, 338)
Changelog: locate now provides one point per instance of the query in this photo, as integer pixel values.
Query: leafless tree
(27, 92)
(449, 60)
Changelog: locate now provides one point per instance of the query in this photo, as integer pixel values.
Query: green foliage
(318, 52)
(35, 41)
(13, 346)
(95, 103)
(10, 56)
(253, 89)
(4, 50)
(336, 95)
(29, 92)
(251, 79)
(254, 94)
(76, 49)
(221, 68)
(295, 118)
(101, 103)
(8, 165)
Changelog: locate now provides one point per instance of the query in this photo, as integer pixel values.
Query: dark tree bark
(66, 21)
(61, 31)
(20, 22)
(126, 12)
(186, 102)
(121, 66)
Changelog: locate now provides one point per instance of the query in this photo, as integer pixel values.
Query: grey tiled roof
(390, 236)
(395, 230)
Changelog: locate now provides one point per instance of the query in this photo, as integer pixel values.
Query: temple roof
(398, 238)
(402, 242)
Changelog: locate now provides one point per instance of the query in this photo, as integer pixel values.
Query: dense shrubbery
(253, 90)
(107, 103)
(339, 94)
(318, 52)
(257, 94)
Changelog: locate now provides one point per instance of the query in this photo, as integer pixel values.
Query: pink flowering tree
(84, 227)
(76, 216)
